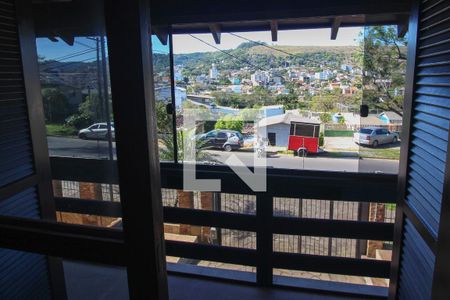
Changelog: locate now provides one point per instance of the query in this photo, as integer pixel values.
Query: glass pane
(76, 94)
(163, 98)
(384, 64)
(306, 87)
(26, 275)
(95, 281)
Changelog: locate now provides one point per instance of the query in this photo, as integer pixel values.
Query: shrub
(231, 123)
(79, 121)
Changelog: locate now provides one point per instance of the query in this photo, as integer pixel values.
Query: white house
(277, 128)
(164, 94)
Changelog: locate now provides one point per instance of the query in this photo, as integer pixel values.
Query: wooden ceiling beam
(67, 38)
(335, 27)
(402, 27)
(162, 33)
(274, 30)
(216, 32)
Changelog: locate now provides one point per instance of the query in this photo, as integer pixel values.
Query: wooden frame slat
(332, 264)
(100, 245)
(232, 255)
(334, 228)
(310, 184)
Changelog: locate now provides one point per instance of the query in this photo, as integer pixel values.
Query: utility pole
(106, 106)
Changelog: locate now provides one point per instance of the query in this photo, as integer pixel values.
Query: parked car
(96, 131)
(374, 136)
(222, 139)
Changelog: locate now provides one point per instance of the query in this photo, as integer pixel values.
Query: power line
(85, 45)
(55, 62)
(69, 64)
(71, 55)
(237, 58)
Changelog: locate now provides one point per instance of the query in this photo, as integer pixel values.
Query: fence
(246, 204)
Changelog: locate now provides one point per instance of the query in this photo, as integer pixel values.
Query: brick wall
(88, 191)
(376, 214)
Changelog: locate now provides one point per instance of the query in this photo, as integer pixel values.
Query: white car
(374, 136)
(96, 131)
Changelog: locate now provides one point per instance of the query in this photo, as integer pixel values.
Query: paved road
(74, 147)
(348, 164)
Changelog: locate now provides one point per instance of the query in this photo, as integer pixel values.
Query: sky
(308, 37)
(84, 48)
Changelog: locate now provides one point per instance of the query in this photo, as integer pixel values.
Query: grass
(290, 152)
(392, 153)
(340, 154)
(338, 133)
(390, 206)
(60, 130)
(382, 153)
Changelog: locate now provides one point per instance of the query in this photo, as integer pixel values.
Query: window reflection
(76, 97)
(296, 82)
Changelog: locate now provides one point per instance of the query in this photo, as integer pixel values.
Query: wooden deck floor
(87, 281)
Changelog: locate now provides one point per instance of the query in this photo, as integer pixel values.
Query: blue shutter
(417, 266)
(22, 275)
(430, 115)
(428, 147)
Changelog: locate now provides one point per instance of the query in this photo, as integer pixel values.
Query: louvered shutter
(22, 275)
(425, 170)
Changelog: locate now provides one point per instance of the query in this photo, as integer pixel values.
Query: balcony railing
(264, 220)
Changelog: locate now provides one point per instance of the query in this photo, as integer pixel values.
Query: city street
(74, 147)
(317, 162)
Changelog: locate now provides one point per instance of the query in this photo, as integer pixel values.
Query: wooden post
(206, 202)
(129, 48)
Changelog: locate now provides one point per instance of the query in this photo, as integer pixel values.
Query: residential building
(213, 73)
(260, 78)
(165, 94)
(391, 118)
(276, 128)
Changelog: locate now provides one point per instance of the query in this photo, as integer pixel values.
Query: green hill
(255, 56)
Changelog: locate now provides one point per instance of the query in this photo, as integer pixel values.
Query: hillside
(260, 57)
(298, 50)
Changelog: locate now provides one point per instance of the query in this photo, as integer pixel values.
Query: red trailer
(304, 137)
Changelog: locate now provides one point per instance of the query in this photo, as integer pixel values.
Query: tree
(92, 107)
(230, 122)
(56, 105)
(383, 58)
(166, 146)
(323, 103)
(89, 111)
(289, 101)
(325, 118)
(163, 119)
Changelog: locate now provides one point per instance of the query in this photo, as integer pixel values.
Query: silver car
(96, 131)
(374, 136)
